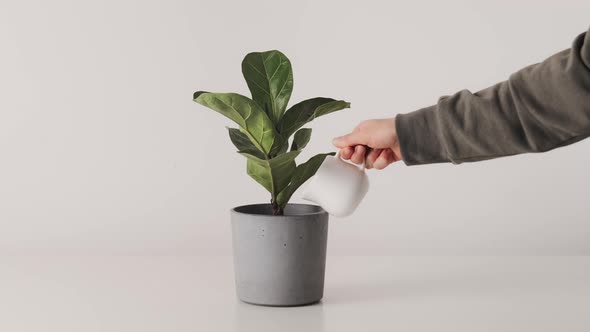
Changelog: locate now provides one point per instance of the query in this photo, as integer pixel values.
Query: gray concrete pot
(279, 260)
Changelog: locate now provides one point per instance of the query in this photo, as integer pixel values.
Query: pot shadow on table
(249, 317)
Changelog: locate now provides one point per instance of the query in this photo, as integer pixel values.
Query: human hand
(374, 141)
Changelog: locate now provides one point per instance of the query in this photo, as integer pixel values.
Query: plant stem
(276, 209)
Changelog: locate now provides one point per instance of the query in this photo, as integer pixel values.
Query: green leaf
(283, 147)
(273, 174)
(301, 139)
(302, 173)
(270, 79)
(280, 146)
(307, 110)
(243, 143)
(243, 111)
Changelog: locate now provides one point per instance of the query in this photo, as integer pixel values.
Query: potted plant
(279, 248)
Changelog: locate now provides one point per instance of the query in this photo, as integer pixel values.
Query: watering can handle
(362, 167)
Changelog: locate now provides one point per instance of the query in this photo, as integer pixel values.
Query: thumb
(352, 139)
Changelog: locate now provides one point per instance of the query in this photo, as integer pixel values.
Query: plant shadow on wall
(266, 125)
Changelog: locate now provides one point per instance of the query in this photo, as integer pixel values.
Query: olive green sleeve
(539, 108)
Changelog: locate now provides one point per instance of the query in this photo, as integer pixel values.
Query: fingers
(346, 152)
(350, 147)
(358, 157)
(352, 139)
(371, 157)
(375, 158)
(385, 158)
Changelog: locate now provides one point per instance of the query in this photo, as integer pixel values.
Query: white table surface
(193, 293)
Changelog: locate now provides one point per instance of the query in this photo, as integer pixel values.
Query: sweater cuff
(419, 137)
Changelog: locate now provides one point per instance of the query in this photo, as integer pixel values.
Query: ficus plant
(266, 125)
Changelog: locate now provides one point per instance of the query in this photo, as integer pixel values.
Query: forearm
(539, 108)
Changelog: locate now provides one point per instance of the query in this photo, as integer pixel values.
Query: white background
(103, 151)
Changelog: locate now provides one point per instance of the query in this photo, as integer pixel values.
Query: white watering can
(338, 186)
